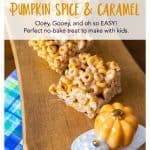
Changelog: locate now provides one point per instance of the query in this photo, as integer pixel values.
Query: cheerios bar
(57, 52)
(88, 83)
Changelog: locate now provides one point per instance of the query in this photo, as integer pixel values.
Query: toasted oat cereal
(88, 83)
(57, 52)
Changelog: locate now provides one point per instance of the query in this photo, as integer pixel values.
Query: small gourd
(116, 125)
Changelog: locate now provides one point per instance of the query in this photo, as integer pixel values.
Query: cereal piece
(53, 89)
(57, 53)
(88, 83)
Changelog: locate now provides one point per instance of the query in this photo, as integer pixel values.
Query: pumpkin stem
(118, 113)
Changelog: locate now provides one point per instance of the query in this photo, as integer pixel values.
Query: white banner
(75, 19)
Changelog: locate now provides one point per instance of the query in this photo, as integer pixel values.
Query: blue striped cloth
(13, 118)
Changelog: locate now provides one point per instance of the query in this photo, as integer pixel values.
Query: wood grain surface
(9, 59)
(135, 47)
(50, 125)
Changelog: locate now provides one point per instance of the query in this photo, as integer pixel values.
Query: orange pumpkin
(116, 125)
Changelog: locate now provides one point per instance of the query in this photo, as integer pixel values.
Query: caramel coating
(88, 83)
(57, 53)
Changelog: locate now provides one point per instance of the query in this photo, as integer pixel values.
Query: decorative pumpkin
(116, 125)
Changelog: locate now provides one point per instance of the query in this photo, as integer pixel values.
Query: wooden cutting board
(50, 125)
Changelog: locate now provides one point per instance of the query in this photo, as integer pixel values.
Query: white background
(134, 24)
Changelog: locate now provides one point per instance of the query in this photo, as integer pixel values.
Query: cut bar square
(58, 52)
(88, 83)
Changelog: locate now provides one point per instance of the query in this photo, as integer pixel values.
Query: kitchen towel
(12, 113)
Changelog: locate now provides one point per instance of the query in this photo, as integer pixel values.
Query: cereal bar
(57, 52)
(88, 83)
